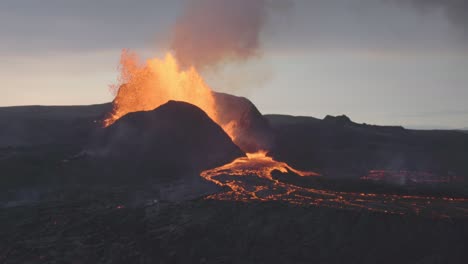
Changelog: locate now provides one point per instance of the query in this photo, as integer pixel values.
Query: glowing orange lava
(144, 87)
(255, 163)
(250, 179)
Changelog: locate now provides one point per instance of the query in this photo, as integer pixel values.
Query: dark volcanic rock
(337, 146)
(251, 127)
(205, 231)
(47, 125)
(339, 120)
(176, 138)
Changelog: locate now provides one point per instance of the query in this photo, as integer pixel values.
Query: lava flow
(251, 179)
(255, 163)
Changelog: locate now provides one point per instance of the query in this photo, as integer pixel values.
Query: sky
(392, 62)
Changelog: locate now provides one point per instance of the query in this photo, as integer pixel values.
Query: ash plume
(212, 31)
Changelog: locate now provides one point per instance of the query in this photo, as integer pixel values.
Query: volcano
(167, 148)
(143, 87)
(176, 137)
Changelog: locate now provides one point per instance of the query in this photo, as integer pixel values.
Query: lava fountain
(144, 87)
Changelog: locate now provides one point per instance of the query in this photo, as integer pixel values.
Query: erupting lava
(146, 87)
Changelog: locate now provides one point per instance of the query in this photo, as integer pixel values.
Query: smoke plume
(212, 31)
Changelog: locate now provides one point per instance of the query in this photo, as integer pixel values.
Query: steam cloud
(212, 31)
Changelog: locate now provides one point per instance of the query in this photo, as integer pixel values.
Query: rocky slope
(337, 146)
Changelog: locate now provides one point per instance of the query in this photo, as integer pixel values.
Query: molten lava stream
(250, 178)
(254, 164)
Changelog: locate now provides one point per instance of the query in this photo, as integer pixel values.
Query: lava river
(251, 179)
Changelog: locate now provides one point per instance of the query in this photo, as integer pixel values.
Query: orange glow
(250, 179)
(254, 164)
(146, 87)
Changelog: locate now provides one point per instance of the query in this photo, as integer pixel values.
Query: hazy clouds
(56, 25)
(380, 61)
(84, 25)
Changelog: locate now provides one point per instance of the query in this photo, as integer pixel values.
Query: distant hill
(43, 125)
(339, 147)
(253, 132)
(291, 120)
(54, 112)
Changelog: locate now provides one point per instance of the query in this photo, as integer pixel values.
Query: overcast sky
(378, 61)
